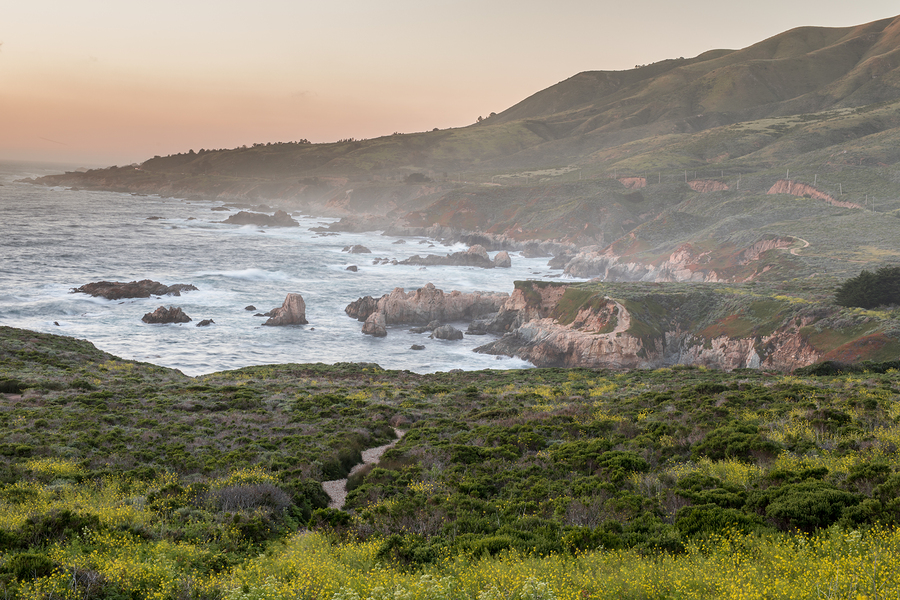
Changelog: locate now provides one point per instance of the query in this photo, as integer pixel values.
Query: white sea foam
(55, 239)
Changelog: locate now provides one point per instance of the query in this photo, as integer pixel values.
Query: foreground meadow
(126, 480)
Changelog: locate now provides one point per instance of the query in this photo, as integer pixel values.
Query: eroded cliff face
(785, 186)
(547, 326)
(686, 263)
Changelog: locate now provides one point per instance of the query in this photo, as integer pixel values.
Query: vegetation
(870, 290)
(125, 480)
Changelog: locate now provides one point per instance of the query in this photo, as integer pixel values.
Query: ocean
(54, 239)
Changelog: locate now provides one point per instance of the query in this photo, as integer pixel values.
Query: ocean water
(56, 239)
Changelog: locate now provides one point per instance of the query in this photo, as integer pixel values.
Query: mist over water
(56, 239)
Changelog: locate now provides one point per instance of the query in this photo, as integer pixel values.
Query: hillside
(122, 479)
(795, 137)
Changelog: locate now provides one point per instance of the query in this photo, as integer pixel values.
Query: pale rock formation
(447, 332)
(599, 337)
(291, 312)
(428, 304)
(502, 260)
(375, 325)
(424, 306)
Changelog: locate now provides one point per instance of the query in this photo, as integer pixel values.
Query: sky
(103, 82)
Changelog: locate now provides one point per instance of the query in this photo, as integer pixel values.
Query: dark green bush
(57, 526)
(29, 565)
(737, 440)
(806, 506)
(868, 290)
(705, 519)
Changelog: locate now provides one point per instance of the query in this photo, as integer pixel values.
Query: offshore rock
(279, 219)
(502, 260)
(173, 314)
(447, 332)
(560, 260)
(375, 325)
(429, 304)
(356, 249)
(291, 312)
(361, 308)
(476, 256)
(426, 306)
(114, 290)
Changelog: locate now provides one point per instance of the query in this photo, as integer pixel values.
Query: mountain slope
(646, 160)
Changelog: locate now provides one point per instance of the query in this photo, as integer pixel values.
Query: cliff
(627, 326)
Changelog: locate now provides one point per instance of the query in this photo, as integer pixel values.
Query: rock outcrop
(375, 325)
(291, 312)
(476, 256)
(556, 325)
(428, 304)
(424, 306)
(361, 308)
(279, 219)
(115, 290)
(785, 186)
(686, 263)
(173, 314)
(447, 332)
(704, 186)
(502, 260)
(356, 249)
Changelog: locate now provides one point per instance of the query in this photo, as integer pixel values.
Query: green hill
(684, 151)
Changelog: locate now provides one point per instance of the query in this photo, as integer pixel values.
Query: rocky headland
(627, 326)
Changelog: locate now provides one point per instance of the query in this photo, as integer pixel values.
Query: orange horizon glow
(102, 83)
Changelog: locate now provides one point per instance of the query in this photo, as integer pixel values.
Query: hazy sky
(102, 82)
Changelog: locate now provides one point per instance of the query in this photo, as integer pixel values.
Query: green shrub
(29, 565)
(806, 506)
(868, 290)
(705, 519)
(57, 526)
(737, 440)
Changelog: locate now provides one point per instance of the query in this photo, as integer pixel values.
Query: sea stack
(292, 312)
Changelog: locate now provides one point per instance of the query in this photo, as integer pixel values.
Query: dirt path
(794, 251)
(337, 488)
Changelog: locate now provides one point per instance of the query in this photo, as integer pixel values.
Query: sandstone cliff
(627, 326)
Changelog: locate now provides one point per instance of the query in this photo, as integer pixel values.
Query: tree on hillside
(868, 290)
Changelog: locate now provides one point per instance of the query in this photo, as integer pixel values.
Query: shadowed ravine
(337, 488)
